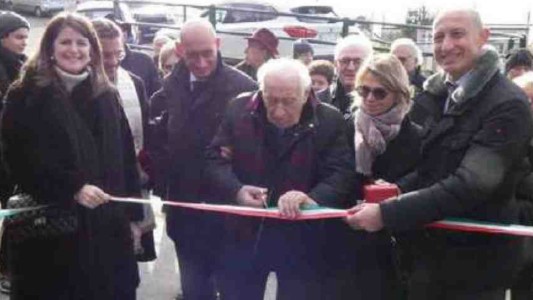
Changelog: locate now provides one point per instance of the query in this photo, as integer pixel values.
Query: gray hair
(407, 42)
(354, 41)
(285, 67)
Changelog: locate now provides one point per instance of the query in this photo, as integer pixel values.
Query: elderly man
(350, 53)
(195, 95)
(410, 55)
(278, 147)
(478, 129)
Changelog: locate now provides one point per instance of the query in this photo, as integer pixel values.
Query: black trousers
(197, 237)
(290, 249)
(44, 269)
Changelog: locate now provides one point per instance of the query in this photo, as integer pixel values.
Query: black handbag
(42, 222)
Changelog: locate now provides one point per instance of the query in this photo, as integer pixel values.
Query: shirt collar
(453, 85)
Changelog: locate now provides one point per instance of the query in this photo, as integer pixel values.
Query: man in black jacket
(477, 131)
(14, 31)
(279, 147)
(195, 95)
(350, 53)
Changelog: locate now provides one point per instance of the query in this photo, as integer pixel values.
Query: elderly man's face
(347, 64)
(406, 56)
(284, 100)
(457, 43)
(200, 52)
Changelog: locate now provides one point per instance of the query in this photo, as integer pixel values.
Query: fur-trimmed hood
(486, 66)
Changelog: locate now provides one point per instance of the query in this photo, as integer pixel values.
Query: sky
(499, 11)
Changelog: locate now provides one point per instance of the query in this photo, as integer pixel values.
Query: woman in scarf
(386, 148)
(67, 144)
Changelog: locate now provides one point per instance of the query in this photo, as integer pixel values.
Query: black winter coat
(142, 65)
(400, 157)
(191, 122)
(314, 158)
(472, 159)
(10, 64)
(55, 143)
(338, 97)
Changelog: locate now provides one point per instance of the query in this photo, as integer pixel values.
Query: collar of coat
(484, 69)
(255, 107)
(12, 61)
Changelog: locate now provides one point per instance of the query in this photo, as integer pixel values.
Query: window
(232, 16)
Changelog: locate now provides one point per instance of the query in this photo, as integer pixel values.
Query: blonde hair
(389, 71)
(168, 49)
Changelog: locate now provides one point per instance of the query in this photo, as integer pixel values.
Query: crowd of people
(86, 119)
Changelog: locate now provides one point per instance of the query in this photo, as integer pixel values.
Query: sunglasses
(379, 93)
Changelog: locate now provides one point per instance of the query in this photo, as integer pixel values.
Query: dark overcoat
(189, 124)
(54, 144)
(472, 159)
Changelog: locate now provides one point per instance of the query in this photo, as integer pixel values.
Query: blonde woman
(386, 148)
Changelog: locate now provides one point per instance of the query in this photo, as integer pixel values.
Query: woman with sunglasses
(386, 148)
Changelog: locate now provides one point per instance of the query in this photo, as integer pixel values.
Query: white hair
(285, 67)
(524, 81)
(360, 41)
(407, 42)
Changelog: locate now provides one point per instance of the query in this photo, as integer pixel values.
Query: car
(38, 7)
(158, 14)
(233, 25)
(102, 9)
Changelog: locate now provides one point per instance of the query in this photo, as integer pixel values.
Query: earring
(52, 58)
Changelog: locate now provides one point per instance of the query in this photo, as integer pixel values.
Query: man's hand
(91, 196)
(252, 196)
(366, 216)
(226, 152)
(290, 202)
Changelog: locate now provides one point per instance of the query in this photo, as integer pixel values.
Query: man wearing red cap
(262, 46)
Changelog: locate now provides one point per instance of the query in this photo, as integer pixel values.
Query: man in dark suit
(195, 95)
(477, 131)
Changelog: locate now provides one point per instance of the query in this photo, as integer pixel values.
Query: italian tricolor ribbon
(316, 213)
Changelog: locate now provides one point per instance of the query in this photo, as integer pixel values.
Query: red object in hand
(375, 193)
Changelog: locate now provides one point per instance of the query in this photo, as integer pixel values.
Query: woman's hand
(91, 196)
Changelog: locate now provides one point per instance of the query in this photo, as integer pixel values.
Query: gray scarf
(372, 135)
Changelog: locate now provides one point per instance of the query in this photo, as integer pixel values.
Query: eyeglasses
(347, 61)
(379, 93)
(403, 59)
(119, 55)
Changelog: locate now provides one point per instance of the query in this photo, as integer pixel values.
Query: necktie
(451, 86)
(197, 87)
